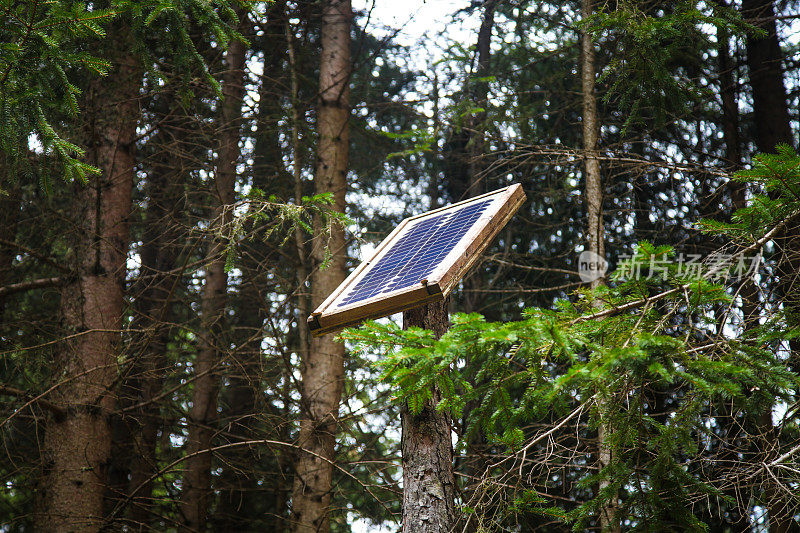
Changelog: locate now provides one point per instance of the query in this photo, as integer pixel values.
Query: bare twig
(23, 286)
(57, 410)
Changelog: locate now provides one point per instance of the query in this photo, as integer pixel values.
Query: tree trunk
(480, 93)
(196, 495)
(728, 96)
(473, 463)
(136, 428)
(593, 198)
(464, 149)
(593, 194)
(748, 291)
(428, 481)
(10, 198)
(764, 61)
(772, 123)
(434, 179)
(771, 115)
(323, 368)
(238, 486)
(303, 302)
(476, 145)
(243, 502)
(76, 448)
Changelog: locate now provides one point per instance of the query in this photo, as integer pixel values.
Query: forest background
(182, 182)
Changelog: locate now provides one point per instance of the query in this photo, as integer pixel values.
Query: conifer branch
(41, 283)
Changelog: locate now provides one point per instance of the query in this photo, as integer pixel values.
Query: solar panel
(420, 261)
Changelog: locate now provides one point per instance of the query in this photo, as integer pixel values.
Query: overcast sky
(419, 20)
(412, 17)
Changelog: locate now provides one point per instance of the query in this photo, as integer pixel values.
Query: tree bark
(76, 448)
(476, 144)
(773, 126)
(303, 302)
(434, 199)
(464, 149)
(428, 481)
(771, 116)
(728, 96)
(149, 373)
(748, 291)
(136, 426)
(323, 368)
(764, 62)
(196, 495)
(593, 193)
(472, 464)
(593, 198)
(245, 415)
(10, 199)
(480, 93)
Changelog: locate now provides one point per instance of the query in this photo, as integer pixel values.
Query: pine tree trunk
(593, 198)
(136, 429)
(196, 495)
(480, 93)
(76, 448)
(428, 481)
(242, 500)
(771, 115)
(593, 194)
(303, 302)
(464, 148)
(728, 95)
(323, 368)
(476, 145)
(748, 291)
(764, 61)
(472, 464)
(238, 487)
(10, 198)
(434, 179)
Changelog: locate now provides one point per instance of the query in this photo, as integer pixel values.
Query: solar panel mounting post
(427, 449)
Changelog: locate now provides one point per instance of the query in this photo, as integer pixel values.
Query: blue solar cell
(417, 253)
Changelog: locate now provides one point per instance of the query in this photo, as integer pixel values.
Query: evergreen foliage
(646, 338)
(49, 46)
(39, 56)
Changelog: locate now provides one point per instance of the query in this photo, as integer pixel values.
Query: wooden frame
(328, 317)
